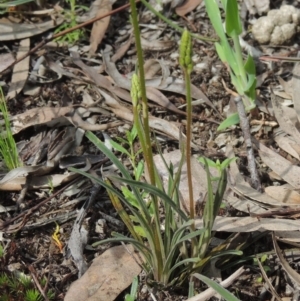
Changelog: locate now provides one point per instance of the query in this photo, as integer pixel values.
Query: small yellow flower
(55, 237)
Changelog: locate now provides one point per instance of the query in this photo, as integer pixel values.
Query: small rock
(278, 27)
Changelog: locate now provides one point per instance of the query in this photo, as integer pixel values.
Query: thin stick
(244, 123)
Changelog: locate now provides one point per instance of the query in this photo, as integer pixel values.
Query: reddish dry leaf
(187, 7)
(99, 27)
(107, 277)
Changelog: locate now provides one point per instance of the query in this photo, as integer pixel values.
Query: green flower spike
(185, 55)
(135, 91)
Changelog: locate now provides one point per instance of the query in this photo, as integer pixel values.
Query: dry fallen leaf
(6, 59)
(198, 176)
(13, 31)
(288, 144)
(251, 224)
(107, 277)
(100, 26)
(284, 193)
(296, 88)
(281, 166)
(285, 121)
(187, 7)
(243, 189)
(292, 274)
(20, 71)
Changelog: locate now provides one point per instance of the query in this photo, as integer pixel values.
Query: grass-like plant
(133, 290)
(71, 16)
(242, 72)
(172, 249)
(18, 286)
(8, 147)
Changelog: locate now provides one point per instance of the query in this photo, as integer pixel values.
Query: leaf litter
(272, 210)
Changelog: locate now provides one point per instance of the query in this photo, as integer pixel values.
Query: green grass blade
(232, 23)
(155, 191)
(229, 121)
(218, 288)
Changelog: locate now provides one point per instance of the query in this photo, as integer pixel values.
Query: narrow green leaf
(153, 190)
(119, 147)
(250, 65)
(229, 121)
(214, 14)
(210, 163)
(218, 288)
(232, 21)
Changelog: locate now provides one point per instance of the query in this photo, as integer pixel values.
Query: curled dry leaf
(281, 166)
(187, 7)
(109, 274)
(243, 189)
(161, 125)
(157, 45)
(14, 31)
(5, 60)
(284, 119)
(292, 274)
(288, 144)
(20, 70)
(170, 84)
(100, 26)
(58, 117)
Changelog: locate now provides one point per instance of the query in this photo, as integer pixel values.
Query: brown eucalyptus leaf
(296, 88)
(284, 168)
(5, 60)
(122, 49)
(284, 194)
(243, 189)
(198, 176)
(157, 45)
(13, 31)
(284, 120)
(100, 26)
(57, 116)
(288, 144)
(20, 70)
(187, 7)
(292, 274)
(171, 84)
(161, 125)
(109, 274)
(250, 224)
